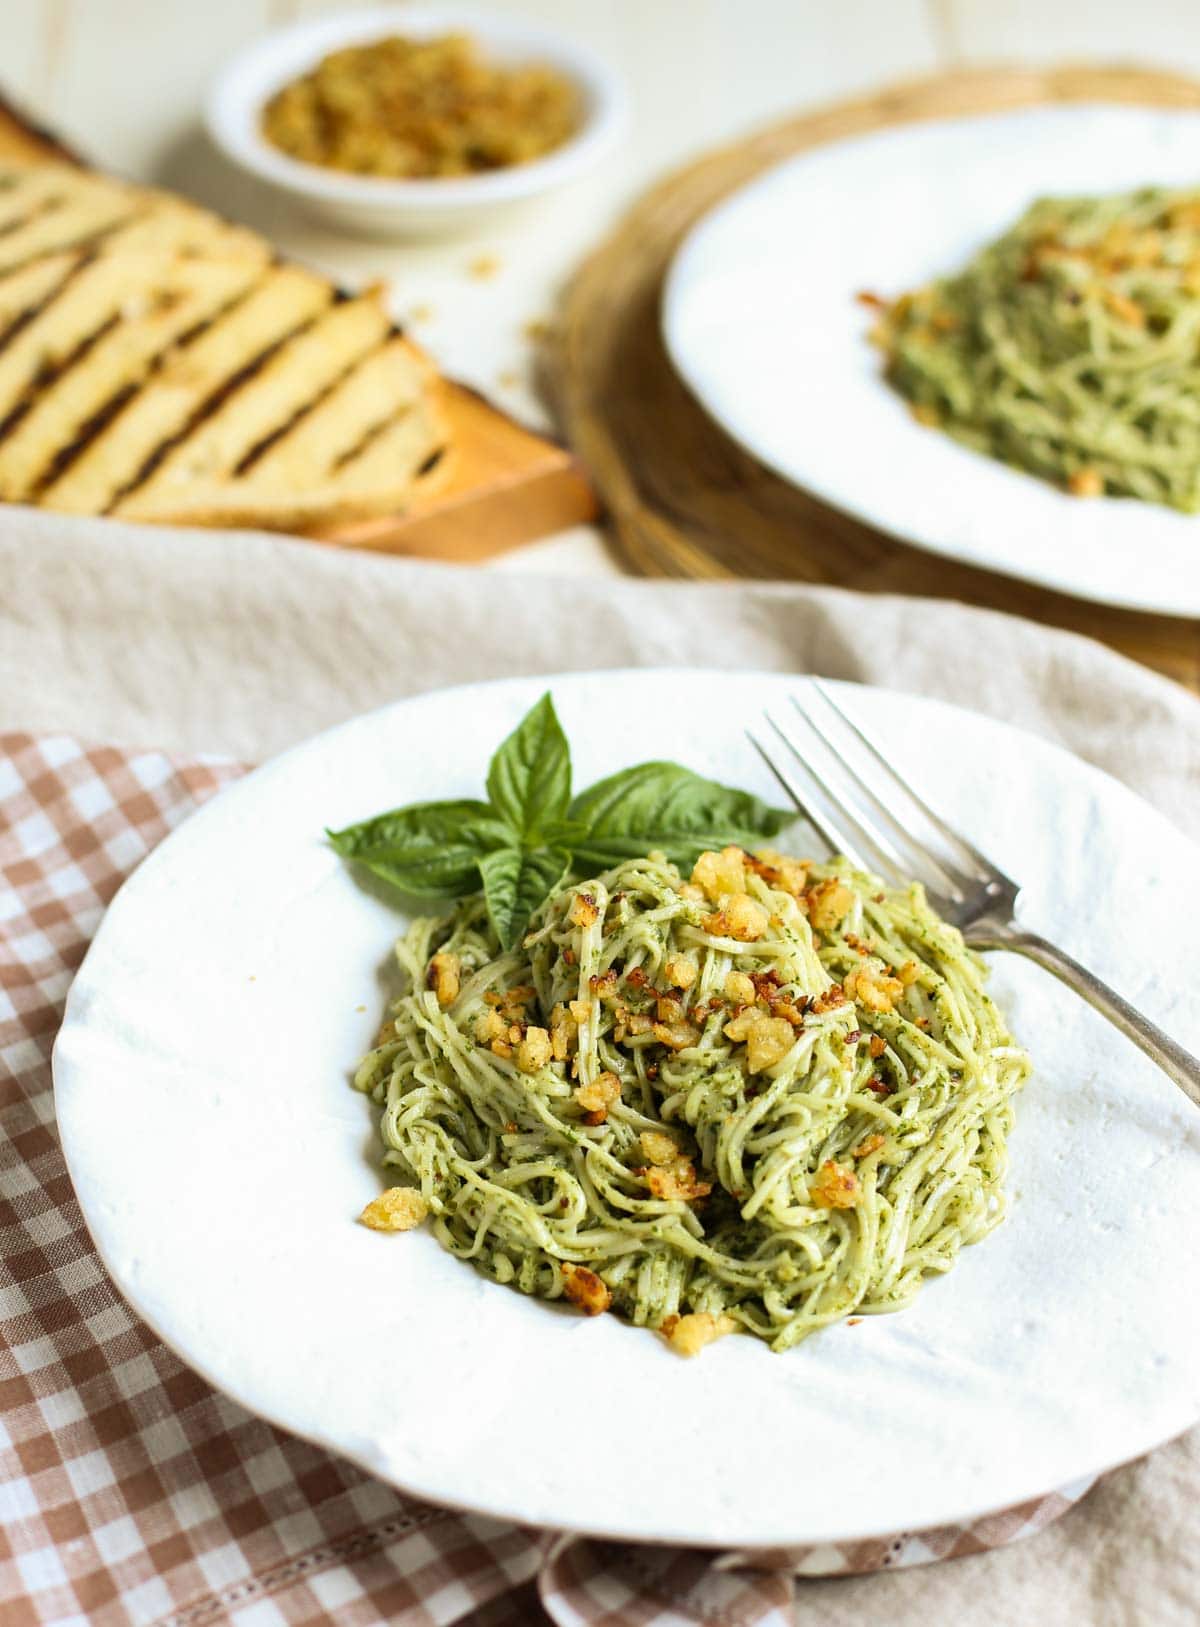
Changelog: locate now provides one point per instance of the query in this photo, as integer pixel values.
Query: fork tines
(862, 807)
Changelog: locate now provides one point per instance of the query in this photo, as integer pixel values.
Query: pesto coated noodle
(766, 1102)
(1069, 347)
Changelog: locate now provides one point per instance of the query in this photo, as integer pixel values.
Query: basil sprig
(521, 842)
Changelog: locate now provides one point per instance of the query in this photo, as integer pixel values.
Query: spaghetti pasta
(1069, 347)
(765, 1098)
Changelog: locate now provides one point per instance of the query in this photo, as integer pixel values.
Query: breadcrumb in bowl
(437, 183)
(421, 109)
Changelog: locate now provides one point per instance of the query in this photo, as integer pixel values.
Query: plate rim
(411, 1485)
(991, 560)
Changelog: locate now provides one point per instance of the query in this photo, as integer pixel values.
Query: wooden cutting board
(504, 485)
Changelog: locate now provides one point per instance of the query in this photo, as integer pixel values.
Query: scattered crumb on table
(484, 266)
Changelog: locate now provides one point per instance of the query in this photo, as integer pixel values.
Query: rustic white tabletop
(124, 81)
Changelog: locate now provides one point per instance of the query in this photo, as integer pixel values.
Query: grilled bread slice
(160, 364)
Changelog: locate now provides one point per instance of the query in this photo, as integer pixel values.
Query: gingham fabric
(130, 1492)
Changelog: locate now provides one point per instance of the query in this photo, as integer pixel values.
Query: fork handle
(1175, 1062)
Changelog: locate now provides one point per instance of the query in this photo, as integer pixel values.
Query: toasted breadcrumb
(584, 910)
(489, 1025)
(564, 1032)
(681, 971)
(720, 873)
(834, 1186)
(677, 1036)
(738, 1028)
(688, 1335)
(677, 1181)
(585, 1289)
(767, 1039)
(658, 1147)
(399, 1209)
(604, 984)
(514, 1001)
(598, 1097)
(445, 978)
(739, 989)
(828, 904)
(534, 1051)
(870, 987)
(777, 870)
(739, 917)
(768, 1042)
(1086, 483)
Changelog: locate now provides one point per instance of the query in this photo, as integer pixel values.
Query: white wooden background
(124, 80)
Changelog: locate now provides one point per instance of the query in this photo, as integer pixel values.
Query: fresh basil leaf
(668, 807)
(564, 832)
(529, 779)
(430, 849)
(515, 881)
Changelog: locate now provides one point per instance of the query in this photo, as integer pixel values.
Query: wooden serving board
(686, 501)
(502, 485)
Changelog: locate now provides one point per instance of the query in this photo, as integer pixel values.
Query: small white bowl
(423, 208)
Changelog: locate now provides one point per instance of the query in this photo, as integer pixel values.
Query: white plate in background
(221, 1157)
(761, 320)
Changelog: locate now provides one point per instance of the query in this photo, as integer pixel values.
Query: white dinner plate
(761, 320)
(221, 1157)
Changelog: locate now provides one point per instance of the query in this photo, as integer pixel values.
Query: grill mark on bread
(127, 385)
(212, 405)
(303, 364)
(206, 410)
(32, 191)
(8, 227)
(37, 236)
(277, 435)
(94, 427)
(45, 281)
(397, 446)
(386, 487)
(372, 433)
(194, 382)
(124, 354)
(371, 391)
(47, 377)
(96, 294)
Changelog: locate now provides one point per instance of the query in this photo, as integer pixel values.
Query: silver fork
(962, 885)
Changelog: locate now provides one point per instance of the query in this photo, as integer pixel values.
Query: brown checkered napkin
(130, 1492)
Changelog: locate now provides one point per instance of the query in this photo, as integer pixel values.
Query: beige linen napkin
(241, 644)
